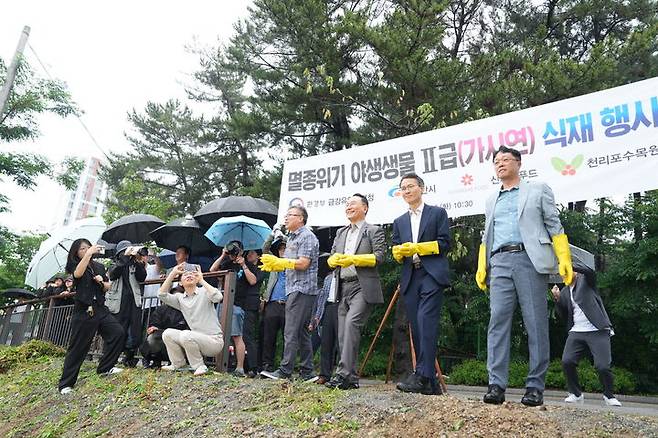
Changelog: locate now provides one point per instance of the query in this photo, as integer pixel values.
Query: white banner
(599, 144)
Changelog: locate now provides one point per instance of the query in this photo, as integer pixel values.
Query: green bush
(470, 372)
(12, 356)
(474, 372)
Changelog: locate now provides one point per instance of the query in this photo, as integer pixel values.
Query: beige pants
(195, 345)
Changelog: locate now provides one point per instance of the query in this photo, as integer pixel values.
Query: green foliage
(16, 251)
(11, 357)
(474, 372)
(29, 97)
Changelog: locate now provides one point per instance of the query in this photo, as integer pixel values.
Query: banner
(596, 145)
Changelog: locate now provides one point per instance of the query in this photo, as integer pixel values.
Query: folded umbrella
(19, 293)
(235, 206)
(184, 231)
(134, 227)
(581, 260)
(51, 256)
(251, 232)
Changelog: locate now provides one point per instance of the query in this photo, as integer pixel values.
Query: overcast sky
(114, 57)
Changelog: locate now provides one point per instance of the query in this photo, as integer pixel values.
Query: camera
(233, 248)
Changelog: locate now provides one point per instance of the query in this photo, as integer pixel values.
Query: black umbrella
(255, 208)
(325, 237)
(134, 227)
(19, 293)
(184, 231)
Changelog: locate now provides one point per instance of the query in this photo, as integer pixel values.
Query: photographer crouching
(128, 271)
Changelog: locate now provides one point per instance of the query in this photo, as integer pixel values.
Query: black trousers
(329, 339)
(130, 318)
(153, 348)
(83, 329)
(250, 338)
(274, 318)
(576, 347)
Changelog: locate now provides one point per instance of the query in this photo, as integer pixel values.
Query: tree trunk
(402, 358)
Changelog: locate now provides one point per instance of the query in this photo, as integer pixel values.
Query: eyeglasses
(290, 214)
(408, 187)
(504, 161)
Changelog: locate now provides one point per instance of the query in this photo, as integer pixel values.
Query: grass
(31, 406)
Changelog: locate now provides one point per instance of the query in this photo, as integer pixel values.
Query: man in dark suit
(421, 239)
(589, 328)
(357, 249)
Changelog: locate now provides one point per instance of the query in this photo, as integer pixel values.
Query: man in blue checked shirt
(301, 265)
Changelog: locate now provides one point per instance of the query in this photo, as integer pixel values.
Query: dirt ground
(144, 403)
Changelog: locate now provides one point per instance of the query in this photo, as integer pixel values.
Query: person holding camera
(90, 315)
(204, 338)
(247, 299)
(129, 269)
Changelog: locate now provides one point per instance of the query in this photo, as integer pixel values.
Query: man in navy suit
(421, 239)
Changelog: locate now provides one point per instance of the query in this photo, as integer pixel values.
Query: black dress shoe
(495, 395)
(533, 397)
(419, 385)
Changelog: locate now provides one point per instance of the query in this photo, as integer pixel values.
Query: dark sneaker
(275, 375)
(308, 377)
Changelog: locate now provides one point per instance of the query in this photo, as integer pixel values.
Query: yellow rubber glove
(397, 256)
(333, 259)
(563, 254)
(408, 249)
(275, 264)
(426, 248)
(358, 260)
(481, 274)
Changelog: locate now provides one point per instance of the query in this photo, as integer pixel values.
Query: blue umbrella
(252, 233)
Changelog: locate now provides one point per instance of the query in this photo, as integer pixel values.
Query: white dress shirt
(580, 321)
(415, 216)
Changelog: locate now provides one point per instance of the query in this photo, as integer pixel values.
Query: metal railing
(43, 320)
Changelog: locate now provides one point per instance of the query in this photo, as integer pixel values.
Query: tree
(30, 97)
(16, 252)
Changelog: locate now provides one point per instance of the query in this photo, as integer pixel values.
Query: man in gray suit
(521, 220)
(356, 251)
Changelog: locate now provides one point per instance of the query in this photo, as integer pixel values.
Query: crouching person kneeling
(197, 306)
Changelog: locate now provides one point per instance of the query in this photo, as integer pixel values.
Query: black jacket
(588, 299)
(165, 317)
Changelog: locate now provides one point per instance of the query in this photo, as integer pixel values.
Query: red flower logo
(467, 180)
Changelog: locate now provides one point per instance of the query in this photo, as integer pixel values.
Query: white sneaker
(571, 398)
(66, 390)
(201, 370)
(611, 401)
(169, 367)
(114, 370)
